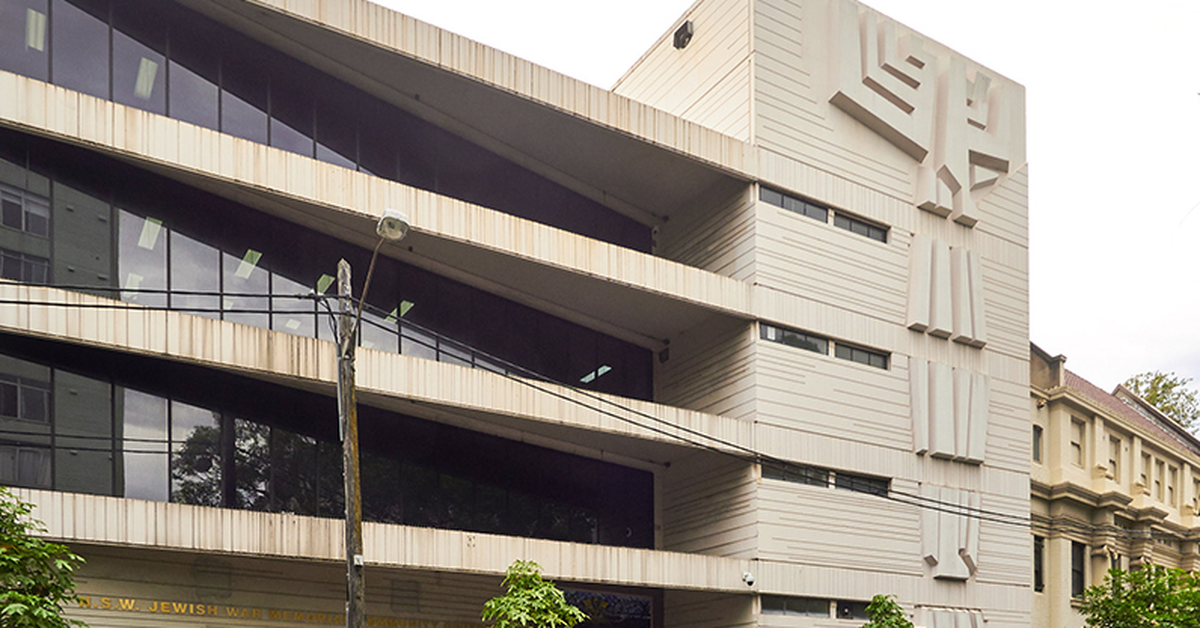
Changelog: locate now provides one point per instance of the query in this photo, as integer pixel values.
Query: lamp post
(392, 226)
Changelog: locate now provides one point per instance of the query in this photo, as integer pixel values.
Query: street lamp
(392, 227)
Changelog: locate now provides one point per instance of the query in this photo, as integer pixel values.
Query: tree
(530, 602)
(1149, 597)
(1169, 393)
(36, 576)
(885, 612)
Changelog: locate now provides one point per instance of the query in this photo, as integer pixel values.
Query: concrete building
(1115, 483)
(742, 341)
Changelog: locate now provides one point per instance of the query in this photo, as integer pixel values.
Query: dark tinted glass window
(144, 457)
(246, 284)
(862, 356)
(80, 46)
(195, 455)
(24, 399)
(799, 606)
(770, 196)
(195, 267)
(13, 212)
(194, 76)
(24, 211)
(23, 267)
(220, 79)
(794, 338)
(271, 448)
(794, 204)
(847, 609)
(293, 112)
(25, 38)
(1078, 568)
(10, 398)
(24, 465)
(861, 227)
(861, 483)
(142, 259)
(244, 86)
(800, 474)
(139, 61)
(178, 239)
(337, 134)
(1039, 547)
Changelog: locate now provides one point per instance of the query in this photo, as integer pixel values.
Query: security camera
(748, 578)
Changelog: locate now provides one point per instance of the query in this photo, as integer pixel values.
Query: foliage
(36, 576)
(885, 612)
(531, 602)
(1169, 393)
(1152, 596)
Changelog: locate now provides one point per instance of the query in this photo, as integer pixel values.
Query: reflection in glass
(252, 465)
(142, 262)
(381, 500)
(23, 40)
(195, 455)
(418, 343)
(292, 114)
(139, 75)
(291, 314)
(24, 466)
(195, 266)
(454, 353)
(379, 333)
(80, 50)
(293, 472)
(243, 278)
(194, 94)
(145, 446)
(337, 137)
(619, 611)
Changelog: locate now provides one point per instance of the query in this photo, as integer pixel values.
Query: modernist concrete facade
(1115, 483)
(742, 341)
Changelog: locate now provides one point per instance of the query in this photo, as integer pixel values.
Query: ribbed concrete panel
(457, 55)
(920, 282)
(131, 522)
(384, 379)
(962, 412)
(941, 321)
(347, 203)
(918, 373)
(961, 301)
(978, 314)
(698, 487)
(708, 81)
(941, 410)
(978, 418)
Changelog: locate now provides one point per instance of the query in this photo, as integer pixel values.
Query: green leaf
(36, 574)
(530, 602)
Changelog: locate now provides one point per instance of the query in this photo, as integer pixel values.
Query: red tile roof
(1120, 408)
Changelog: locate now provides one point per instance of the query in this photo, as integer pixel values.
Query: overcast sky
(1113, 111)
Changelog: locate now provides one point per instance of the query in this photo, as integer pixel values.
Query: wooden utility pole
(348, 422)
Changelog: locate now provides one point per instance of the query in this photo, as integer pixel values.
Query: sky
(1113, 133)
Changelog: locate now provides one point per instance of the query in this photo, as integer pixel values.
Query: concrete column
(1058, 584)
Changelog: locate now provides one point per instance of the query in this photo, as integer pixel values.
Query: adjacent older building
(742, 341)
(1115, 483)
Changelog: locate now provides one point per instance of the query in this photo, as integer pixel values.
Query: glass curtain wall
(159, 433)
(168, 60)
(164, 244)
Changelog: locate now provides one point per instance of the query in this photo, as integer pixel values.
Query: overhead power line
(599, 403)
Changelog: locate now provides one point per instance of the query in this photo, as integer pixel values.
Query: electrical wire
(530, 378)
